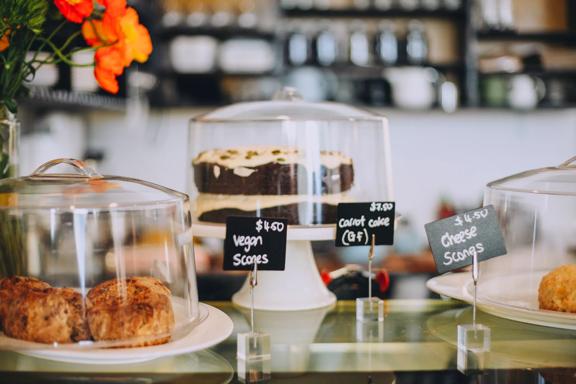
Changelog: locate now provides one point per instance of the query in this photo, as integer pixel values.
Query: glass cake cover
(92, 261)
(537, 212)
(287, 158)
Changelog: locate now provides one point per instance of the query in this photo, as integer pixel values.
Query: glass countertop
(416, 343)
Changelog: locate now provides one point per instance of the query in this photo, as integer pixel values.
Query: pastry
(557, 291)
(131, 308)
(12, 287)
(48, 315)
(271, 181)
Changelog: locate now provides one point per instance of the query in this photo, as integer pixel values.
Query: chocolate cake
(273, 182)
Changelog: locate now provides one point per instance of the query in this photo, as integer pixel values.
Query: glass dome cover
(85, 189)
(286, 105)
(536, 210)
(287, 158)
(94, 261)
(559, 180)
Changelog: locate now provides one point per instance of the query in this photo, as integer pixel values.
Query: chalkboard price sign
(456, 240)
(357, 222)
(252, 240)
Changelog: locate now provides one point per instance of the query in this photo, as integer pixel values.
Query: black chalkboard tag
(357, 222)
(456, 239)
(259, 239)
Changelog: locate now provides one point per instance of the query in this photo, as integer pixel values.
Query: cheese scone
(557, 291)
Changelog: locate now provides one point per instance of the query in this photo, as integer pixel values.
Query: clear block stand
(370, 332)
(369, 309)
(253, 348)
(473, 345)
(253, 355)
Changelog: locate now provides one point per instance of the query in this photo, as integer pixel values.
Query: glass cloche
(92, 261)
(537, 213)
(287, 158)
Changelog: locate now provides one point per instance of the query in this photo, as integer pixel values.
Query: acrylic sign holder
(473, 339)
(253, 348)
(369, 309)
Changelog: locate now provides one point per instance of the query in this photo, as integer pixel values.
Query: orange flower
(109, 64)
(119, 41)
(114, 7)
(5, 41)
(75, 10)
(98, 33)
(138, 45)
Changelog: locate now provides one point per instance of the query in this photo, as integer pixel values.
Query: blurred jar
(416, 43)
(359, 44)
(387, 44)
(430, 5)
(383, 5)
(197, 12)
(326, 46)
(297, 46)
(452, 5)
(222, 13)
(361, 4)
(408, 5)
(246, 11)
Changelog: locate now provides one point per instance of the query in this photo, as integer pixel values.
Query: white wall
(434, 154)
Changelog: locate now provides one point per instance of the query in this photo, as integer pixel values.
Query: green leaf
(11, 105)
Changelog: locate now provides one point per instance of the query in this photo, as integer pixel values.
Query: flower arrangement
(110, 28)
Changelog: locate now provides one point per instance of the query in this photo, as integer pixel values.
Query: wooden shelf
(223, 33)
(70, 100)
(545, 37)
(376, 70)
(539, 73)
(374, 13)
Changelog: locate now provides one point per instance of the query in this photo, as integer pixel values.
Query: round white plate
(213, 330)
(521, 308)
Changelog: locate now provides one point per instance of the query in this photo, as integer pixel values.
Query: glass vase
(12, 232)
(9, 140)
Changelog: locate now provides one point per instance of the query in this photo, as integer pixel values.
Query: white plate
(213, 330)
(522, 308)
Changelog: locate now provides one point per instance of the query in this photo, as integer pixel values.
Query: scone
(49, 315)
(14, 286)
(135, 307)
(557, 290)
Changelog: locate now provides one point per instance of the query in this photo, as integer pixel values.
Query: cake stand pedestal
(299, 286)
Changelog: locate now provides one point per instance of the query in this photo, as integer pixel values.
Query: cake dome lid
(559, 180)
(85, 188)
(287, 105)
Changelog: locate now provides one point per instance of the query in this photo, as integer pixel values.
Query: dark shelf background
(374, 13)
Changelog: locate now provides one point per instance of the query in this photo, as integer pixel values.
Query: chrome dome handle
(287, 94)
(83, 169)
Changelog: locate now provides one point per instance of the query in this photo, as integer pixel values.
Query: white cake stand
(299, 286)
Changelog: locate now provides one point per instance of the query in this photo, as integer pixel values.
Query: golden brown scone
(47, 315)
(557, 290)
(135, 307)
(14, 286)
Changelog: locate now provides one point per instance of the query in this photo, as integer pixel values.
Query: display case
(91, 261)
(536, 280)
